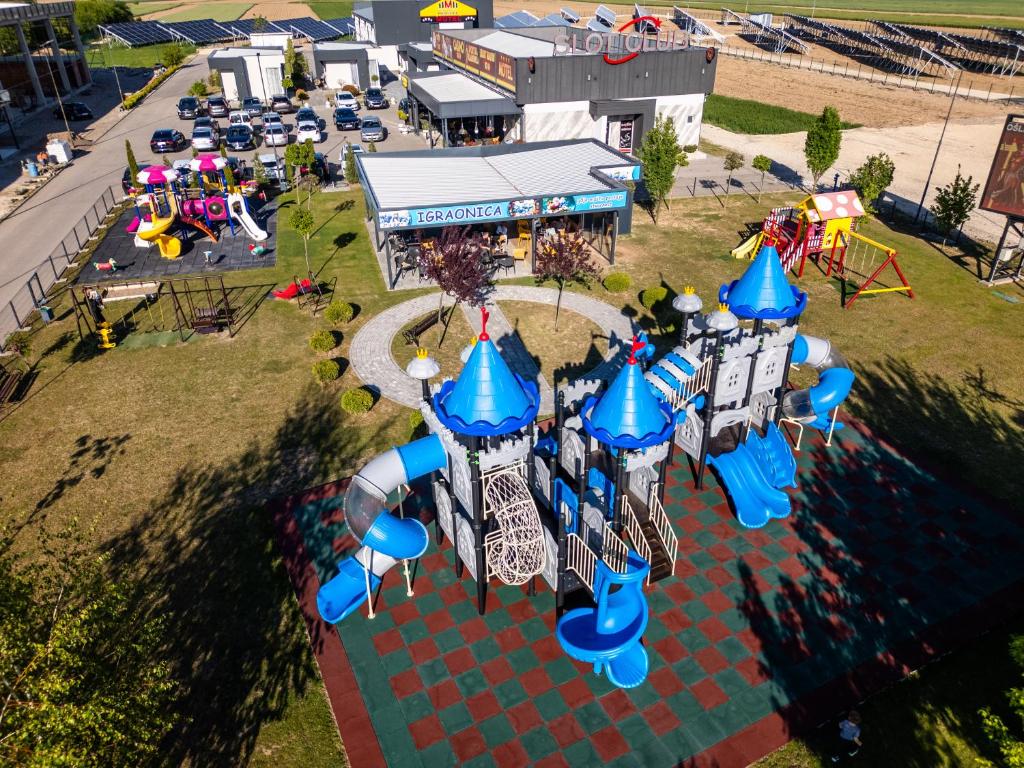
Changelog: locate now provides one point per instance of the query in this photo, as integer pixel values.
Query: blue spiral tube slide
(811, 406)
(385, 539)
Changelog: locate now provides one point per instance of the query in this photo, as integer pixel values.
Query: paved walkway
(371, 348)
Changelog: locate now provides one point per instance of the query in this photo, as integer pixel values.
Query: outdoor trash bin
(46, 313)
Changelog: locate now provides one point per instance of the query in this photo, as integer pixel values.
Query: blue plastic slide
(753, 475)
(812, 406)
(608, 635)
(386, 539)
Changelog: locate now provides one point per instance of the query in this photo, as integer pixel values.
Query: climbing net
(515, 550)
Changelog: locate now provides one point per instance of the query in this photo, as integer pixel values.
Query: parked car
(274, 166)
(372, 129)
(320, 167)
(189, 108)
(167, 140)
(306, 131)
(355, 149)
(275, 135)
(73, 110)
(239, 117)
(271, 118)
(253, 106)
(345, 119)
(240, 137)
(217, 106)
(346, 99)
(307, 115)
(374, 98)
(127, 182)
(282, 104)
(205, 140)
(207, 122)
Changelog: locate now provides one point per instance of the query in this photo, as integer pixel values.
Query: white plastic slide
(236, 205)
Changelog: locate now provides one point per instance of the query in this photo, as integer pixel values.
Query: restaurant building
(530, 191)
(559, 83)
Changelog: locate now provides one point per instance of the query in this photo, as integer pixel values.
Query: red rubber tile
(406, 683)
(468, 744)
(423, 651)
(483, 706)
(388, 641)
(576, 692)
(508, 755)
(439, 621)
(609, 743)
(661, 718)
(536, 681)
(426, 731)
(497, 671)
(524, 717)
(670, 649)
(566, 730)
(714, 630)
(510, 639)
(474, 630)
(444, 694)
(618, 705)
(460, 660)
(665, 681)
(708, 693)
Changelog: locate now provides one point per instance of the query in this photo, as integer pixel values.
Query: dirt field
(269, 11)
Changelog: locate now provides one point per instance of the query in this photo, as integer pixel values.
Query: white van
(238, 117)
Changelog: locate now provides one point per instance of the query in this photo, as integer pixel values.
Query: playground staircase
(661, 560)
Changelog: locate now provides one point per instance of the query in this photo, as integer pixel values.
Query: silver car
(372, 129)
(275, 135)
(205, 139)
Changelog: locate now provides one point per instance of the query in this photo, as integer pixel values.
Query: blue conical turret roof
(628, 415)
(487, 399)
(763, 291)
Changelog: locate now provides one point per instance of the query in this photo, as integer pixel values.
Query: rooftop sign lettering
(444, 11)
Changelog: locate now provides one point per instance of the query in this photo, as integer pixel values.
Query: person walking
(849, 742)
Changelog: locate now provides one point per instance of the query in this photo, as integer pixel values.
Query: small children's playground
(689, 563)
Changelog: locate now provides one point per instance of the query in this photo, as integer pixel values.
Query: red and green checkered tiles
(875, 551)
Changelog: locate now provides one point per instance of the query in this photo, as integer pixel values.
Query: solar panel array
(345, 25)
(199, 31)
(596, 26)
(135, 33)
(246, 27)
(569, 15)
(516, 20)
(605, 16)
(689, 23)
(314, 30)
(1003, 56)
(643, 27)
(553, 20)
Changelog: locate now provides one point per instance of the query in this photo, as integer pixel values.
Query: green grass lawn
(142, 8)
(331, 9)
(120, 56)
(755, 117)
(949, 13)
(168, 454)
(215, 11)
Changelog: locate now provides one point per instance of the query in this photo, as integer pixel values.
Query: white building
(248, 72)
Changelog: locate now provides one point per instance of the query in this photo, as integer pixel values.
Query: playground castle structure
(579, 501)
(164, 201)
(825, 224)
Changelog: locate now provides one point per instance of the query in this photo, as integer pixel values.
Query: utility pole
(938, 147)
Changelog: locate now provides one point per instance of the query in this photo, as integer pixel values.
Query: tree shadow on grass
(236, 643)
(888, 566)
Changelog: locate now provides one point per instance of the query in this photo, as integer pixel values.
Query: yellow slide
(153, 231)
(749, 247)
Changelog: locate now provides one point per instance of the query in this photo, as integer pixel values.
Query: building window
(689, 118)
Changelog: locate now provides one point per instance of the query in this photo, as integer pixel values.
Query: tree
(289, 64)
(303, 223)
(198, 88)
(565, 260)
(660, 155)
(1011, 747)
(298, 156)
(821, 148)
(229, 177)
(872, 179)
(89, 14)
(80, 679)
(351, 176)
(733, 162)
(133, 165)
(259, 171)
(954, 203)
(173, 55)
(214, 79)
(259, 24)
(372, 147)
(761, 163)
(455, 264)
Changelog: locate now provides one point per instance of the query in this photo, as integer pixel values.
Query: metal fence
(859, 71)
(18, 311)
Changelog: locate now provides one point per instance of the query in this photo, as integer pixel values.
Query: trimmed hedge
(649, 297)
(137, 97)
(322, 341)
(358, 400)
(617, 282)
(326, 371)
(339, 312)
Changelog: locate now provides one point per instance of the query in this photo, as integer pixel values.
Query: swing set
(853, 260)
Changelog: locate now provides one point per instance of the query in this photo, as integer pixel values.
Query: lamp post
(938, 147)
(263, 87)
(424, 368)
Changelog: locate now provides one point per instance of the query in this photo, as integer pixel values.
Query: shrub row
(137, 97)
(357, 400)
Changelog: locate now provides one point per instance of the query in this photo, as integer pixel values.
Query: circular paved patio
(370, 353)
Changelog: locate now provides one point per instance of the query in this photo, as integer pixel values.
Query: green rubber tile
(699, 584)
(705, 538)
(396, 661)
(429, 603)
(437, 754)
(635, 731)
(739, 545)
(693, 639)
(538, 743)
(449, 640)
(498, 620)
(684, 705)
(776, 532)
(472, 682)
(413, 630)
(598, 684)
(697, 611)
(730, 717)
(628, 760)
(433, 672)
(522, 659)
(397, 596)
(733, 650)
(643, 696)
(389, 719)
(773, 576)
(417, 706)
(496, 730)
(736, 590)
(755, 703)
(659, 602)
(444, 577)
(463, 611)
(550, 704)
(486, 649)
(703, 730)
(656, 631)
(534, 629)
(703, 560)
(774, 552)
(709, 516)
(581, 755)
(689, 671)
(679, 745)
(510, 693)
(592, 717)
(400, 751)
(456, 717)
(561, 670)
(481, 761)
(731, 682)
(654, 752)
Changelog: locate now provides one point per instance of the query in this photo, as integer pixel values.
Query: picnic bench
(412, 335)
(9, 381)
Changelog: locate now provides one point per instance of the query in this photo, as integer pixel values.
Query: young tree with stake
(660, 155)
(565, 260)
(821, 148)
(872, 179)
(133, 165)
(733, 162)
(455, 264)
(303, 223)
(761, 163)
(954, 203)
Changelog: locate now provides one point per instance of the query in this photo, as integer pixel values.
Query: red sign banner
(495, 67)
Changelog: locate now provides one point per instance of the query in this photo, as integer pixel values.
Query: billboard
(1004, 190)
(498, 68)
(447, 11)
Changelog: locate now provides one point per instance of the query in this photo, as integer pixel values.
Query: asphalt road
(29, 235)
